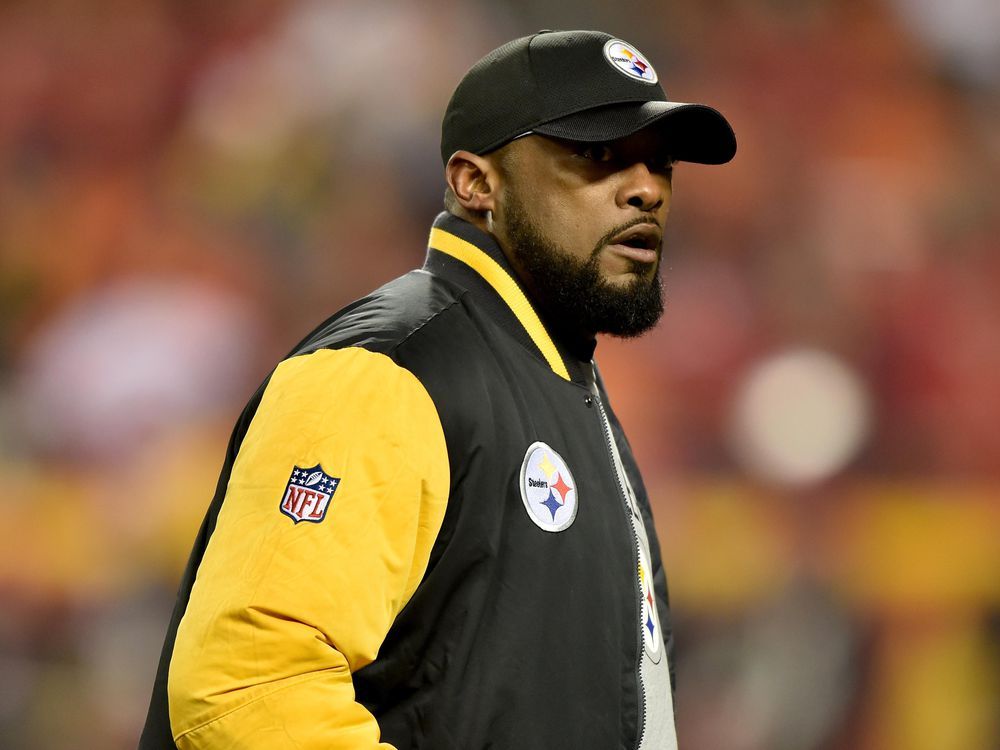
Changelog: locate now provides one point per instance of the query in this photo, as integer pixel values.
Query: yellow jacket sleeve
(282, 613)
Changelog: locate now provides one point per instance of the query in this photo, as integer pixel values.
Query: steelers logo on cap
(628, 60)
(548, 488)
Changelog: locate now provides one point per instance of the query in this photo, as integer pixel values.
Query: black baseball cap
(579, 85)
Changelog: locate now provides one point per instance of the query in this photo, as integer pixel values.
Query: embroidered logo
(548, 489)
(308, 493)
(627, 59)
(649, 620)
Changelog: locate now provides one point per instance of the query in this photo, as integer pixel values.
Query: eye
(664, 165)
(599, 152)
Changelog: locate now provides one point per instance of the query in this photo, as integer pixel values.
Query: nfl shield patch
(308, 493)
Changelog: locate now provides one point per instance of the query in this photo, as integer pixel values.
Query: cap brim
(694, 132)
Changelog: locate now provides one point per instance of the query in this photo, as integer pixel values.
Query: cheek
(546, 201)
(575, 214)
(571, 211)
(550, 211)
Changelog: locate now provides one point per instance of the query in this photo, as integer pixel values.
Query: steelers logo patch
(548, 489)
(649, 621)
(628, 60)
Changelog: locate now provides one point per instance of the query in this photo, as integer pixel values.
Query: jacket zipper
(623, 486)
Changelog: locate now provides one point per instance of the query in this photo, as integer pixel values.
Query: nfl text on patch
(308, 493)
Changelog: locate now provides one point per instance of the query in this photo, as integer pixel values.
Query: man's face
(583, 227)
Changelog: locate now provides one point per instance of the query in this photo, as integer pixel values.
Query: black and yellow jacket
(473, 565)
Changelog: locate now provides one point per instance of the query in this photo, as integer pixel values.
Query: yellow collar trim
(494, 275)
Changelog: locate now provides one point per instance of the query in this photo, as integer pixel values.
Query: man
(430, 531)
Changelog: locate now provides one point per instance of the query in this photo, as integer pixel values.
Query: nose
(642, 188)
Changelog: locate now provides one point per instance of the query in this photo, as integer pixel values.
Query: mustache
(615, 231)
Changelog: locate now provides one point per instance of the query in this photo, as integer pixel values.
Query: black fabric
(690, 132)
(554, 75)
(516, 637)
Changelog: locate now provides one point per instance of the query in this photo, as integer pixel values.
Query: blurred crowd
(187, 188)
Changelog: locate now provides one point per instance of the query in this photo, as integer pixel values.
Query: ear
(474, 180)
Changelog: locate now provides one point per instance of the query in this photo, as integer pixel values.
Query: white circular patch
(649, 620)
(548, 488)
(627, 59)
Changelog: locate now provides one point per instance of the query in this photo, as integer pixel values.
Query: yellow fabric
(506, 287)
(282, 613)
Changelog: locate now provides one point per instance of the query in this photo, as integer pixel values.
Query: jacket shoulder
(387, 317)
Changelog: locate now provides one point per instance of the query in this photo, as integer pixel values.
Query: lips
(640, 242)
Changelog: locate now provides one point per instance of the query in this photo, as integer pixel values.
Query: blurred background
(186, 188)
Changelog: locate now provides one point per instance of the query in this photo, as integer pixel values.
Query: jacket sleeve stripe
(281, 613)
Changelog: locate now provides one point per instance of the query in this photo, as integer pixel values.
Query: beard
(571, 292)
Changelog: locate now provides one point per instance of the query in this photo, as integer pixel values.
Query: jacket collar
(471, 258)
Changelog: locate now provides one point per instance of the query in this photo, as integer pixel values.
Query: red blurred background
(186, 188)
